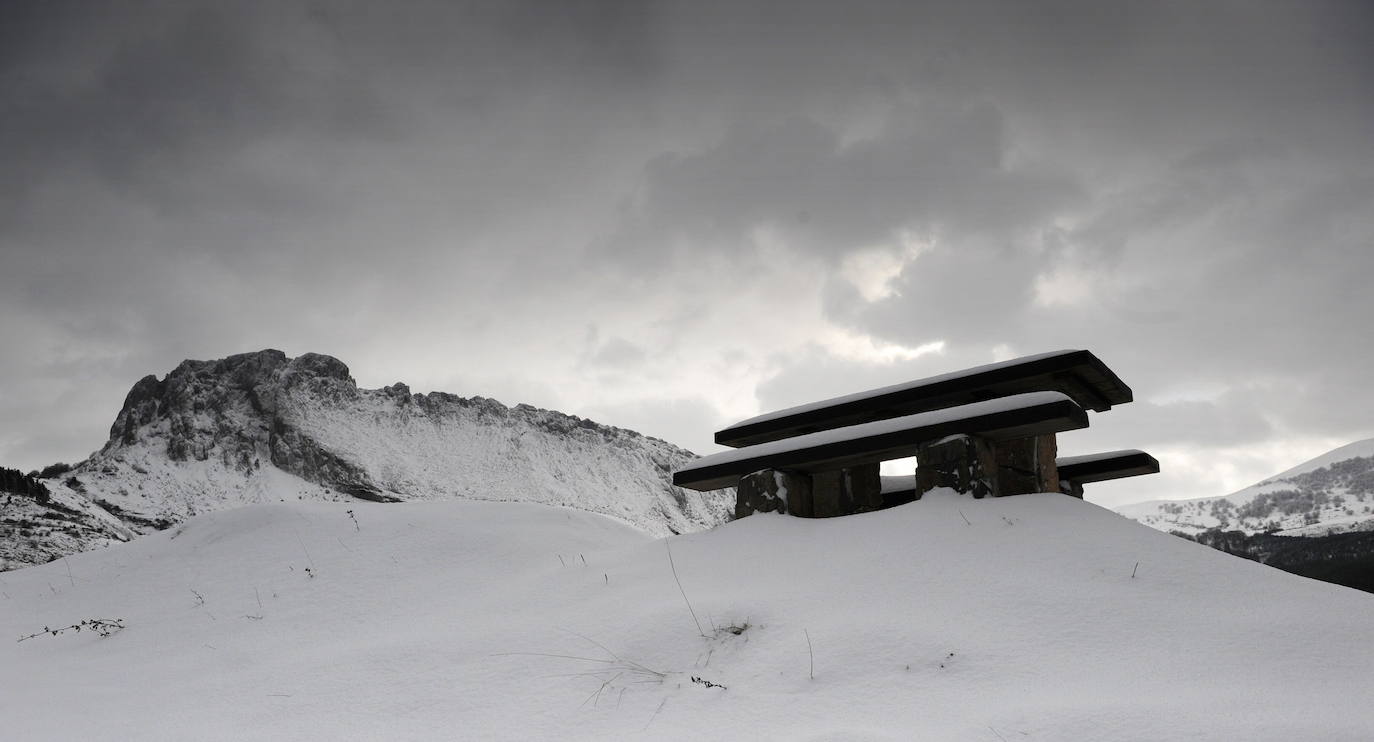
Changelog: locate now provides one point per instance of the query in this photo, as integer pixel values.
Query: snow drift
(1029, 617)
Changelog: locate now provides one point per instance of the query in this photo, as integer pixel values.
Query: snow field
(948, 618)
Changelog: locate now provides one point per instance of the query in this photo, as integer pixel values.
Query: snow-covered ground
(1039, 617)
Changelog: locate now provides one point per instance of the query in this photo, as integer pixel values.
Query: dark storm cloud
(167, 101)
(1200, 215)
(194, 179)
(925, 171)
(267, 128)
(452, 192)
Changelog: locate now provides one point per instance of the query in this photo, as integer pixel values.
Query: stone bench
(985, 448)
(822, 459)
(1076, 471)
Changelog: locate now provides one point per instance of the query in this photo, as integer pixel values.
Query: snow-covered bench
(834, 472)
(989, 430)
(1076, 471)
(1076, 373)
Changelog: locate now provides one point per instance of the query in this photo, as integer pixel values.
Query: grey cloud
(953, 293)
(182, 104)
(930, 168)
(810, 374)
(618, 353)
(687, 422)
(184, 169)
(1200, 424)
(442, 181)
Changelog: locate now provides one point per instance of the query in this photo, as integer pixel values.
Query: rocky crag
(262, 427)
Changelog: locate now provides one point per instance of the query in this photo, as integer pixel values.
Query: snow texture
(1038, 617)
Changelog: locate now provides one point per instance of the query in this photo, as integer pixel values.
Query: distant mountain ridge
(262, 427)
(1332, 493)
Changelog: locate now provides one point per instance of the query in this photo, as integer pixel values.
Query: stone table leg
(772, 490)
(966, 464)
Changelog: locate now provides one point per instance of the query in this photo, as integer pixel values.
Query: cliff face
(262, 427)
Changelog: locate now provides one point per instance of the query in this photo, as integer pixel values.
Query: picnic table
(985, 431)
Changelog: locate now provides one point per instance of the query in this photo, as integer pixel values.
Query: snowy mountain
(1332, 493)
(262, 427)
(1037, 617)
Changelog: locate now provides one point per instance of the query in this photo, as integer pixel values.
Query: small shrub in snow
(101, 626)
(735, 629)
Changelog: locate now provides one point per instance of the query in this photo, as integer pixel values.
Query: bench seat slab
(1017, 416)
(1100, 467)
(1077, 373)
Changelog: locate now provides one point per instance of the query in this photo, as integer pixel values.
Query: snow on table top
(1092, 457)
(880, 427)
(895, 388)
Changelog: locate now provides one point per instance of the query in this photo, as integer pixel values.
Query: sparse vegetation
(102, 626)
(612, 668)
(53, 471)
(680, 589)
(1341, 558)
(13, 480)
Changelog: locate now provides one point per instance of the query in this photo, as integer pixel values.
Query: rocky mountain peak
(318, 366)
(203, 403)
(259, 427)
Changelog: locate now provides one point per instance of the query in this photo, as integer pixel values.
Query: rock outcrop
(263, 427)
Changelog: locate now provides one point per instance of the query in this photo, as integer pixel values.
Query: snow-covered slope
(1332, 493)
(1040, 617)
(261, 427)
(36, 530)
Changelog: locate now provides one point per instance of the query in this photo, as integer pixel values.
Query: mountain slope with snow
(1332, 493)
(262, 427)
(1030, 617)
(38, 529)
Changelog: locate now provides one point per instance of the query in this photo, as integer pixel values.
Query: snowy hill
(1332, 493)
(1039, 617)
(261, 427)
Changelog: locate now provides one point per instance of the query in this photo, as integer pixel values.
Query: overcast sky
(672, 216)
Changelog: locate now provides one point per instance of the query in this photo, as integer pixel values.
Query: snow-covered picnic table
(989, 430)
